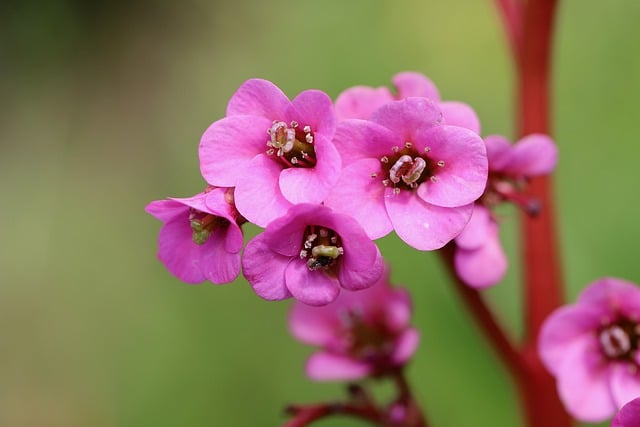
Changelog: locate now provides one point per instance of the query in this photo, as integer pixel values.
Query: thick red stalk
(541, 266)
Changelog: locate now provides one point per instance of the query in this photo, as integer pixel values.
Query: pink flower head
(629, 415)
(200, 238)
(591, 347)
(480, 260)
(364, 333)
(360, 102)
(275, 152)
(404, 170)
(309, 254)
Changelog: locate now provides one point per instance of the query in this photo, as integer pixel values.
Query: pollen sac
(324, 245)
(408, 169)
(282, 137)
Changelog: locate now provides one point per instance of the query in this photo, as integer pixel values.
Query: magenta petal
(227, 147)
(314, 108)
(610, 295)
(360, 102)
(460, 114)
(410, 83)
(355, 280)
(405, 117)
(583, 383)
(257, 196)
(397, 308)
(362, 197)
(565, 327)
(629, 415)
(165, 210)
(357, 139)
(218, 265)
(258, 97)
(310, 287)
(178, 252)
(405, 346)
(498, 152)
(312, 185)
(483, 266)
(313, 325)
(360, 252)
(324, 366)
(264, 270)
(624, 383)
(477, 229)
(533, 155)
(463, 177)
(422, 225)
(233, 239)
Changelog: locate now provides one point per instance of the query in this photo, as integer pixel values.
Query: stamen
(440, 163)
(399, 167)
(373, 175)
(303, 254)
(408, 144)
(396, 190)
(294, 124)
(433, 178)
(384, 159)
(270, 151)
(307, 129)
(614, 341)
(427, 149)
(309, 138)
(294, 160)
(386, 182)
(395, 148)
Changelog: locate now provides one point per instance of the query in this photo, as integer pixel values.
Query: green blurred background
(102, 107)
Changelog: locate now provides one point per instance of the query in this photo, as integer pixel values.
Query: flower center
(291, 145)
(619, 341)
(406, 168)
(320, 247)
(204, 224)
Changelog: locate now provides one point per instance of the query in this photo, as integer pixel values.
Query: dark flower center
(204, 224)
(406, 168)
(321, 247)
(292, 145)
(619, 341)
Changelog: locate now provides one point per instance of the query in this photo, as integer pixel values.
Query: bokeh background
(102, 105)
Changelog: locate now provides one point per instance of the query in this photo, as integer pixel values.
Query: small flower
(275, 152)
(480, 260)
(360, 334)
(629, 415)
(360, 102)
(309, 254)
(591, 347)
(200, 238)
(406, 171)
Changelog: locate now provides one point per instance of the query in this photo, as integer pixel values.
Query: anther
(303, 254)
(373, 175)
(408, 144)
(427, 149)
(386, 182)
(307, 129)
(396, 190)
(434, 178)
(395, 148)
(294, 124)
(309, 138)
(308, 244)
(270, 151)
(294, 160)
(333, 240)
(440, 163)
(384, 159)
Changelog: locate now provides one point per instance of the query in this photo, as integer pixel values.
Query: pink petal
(463, 177)
(409, 83)
(611, 295)
(483, 266)
(360, 102)
(397, 307)
(324, 366)
(165, 210)
(355, 280)
(629, 415)
(178, 252)
(358, 139)
(498, 152)
(227, 147)
(583, 383)
(362, 197)
(257, 196)
(460, 114)
(405, 346)
(564, 328)
(533, 155)
(624, 382)
(284, 234)
(422, 225)
(314, 108)
(234, 239)
(314, 325)
(310, 287)
(260, 98)
(218, 265)
(477, 229)
(196, 202)
(312, 185)
(264, 270)
(405, 117)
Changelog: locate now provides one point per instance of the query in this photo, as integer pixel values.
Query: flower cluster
(326, 180)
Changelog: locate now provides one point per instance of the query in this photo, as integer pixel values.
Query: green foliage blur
(102, 107)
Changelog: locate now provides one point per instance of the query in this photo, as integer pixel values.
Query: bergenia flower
(200, 238)
(404, 170)
(591, 347)
(360, 102)
(275, 152)
(310, 253)
(480, 260)
(360, 334)
(629, 415)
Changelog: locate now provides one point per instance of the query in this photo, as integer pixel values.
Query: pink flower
(309, 254)
(275, 152)
(364, 333)
(591, 347)
(629, 415)
(200, 238)
(480, 260)
(360, 102)
(406, 171)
